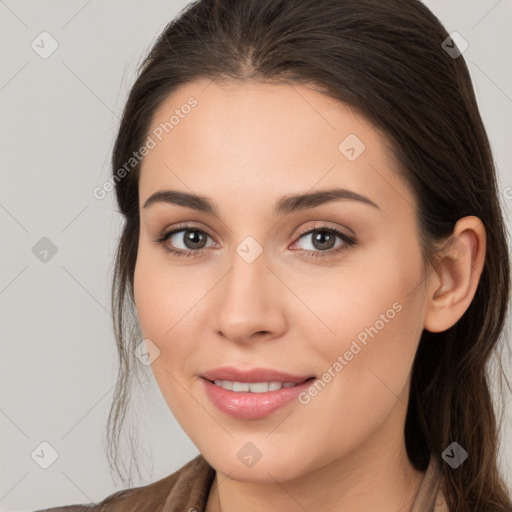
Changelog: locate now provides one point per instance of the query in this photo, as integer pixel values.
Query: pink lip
(247, 405)
(253, 375)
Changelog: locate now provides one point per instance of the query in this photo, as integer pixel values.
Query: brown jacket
(187, 490)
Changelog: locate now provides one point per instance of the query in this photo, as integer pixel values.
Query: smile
(253, 387)
(253, 400)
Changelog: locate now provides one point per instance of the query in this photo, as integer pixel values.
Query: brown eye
(323, 240)
(184, 241)
(193, 238)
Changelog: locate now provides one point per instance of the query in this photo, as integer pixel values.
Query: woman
(315, 252)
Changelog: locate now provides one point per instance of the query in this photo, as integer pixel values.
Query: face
(327, 287)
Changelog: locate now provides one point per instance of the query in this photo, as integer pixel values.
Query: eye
(323, 241)
(192, 240)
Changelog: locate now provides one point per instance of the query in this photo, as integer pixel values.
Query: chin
(272, 464)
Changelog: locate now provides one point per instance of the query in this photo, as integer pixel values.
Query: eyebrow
(285, 205)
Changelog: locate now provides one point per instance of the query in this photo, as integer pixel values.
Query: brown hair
(385, 60)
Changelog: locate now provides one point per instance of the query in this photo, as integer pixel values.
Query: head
(242, 106)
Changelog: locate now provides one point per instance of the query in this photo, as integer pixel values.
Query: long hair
(387, 61)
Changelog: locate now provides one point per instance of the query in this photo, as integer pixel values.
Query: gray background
(58, 120)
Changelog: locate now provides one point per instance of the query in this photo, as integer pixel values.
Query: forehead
(261, 140)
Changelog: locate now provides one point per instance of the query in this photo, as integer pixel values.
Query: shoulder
(189, 484)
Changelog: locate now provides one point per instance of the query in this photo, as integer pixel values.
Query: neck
(376, 476)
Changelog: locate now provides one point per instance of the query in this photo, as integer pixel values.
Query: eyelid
(164, 234)
(180, 226)
(321, 225)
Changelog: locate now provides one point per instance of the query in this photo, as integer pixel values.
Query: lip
(252, 375)
(247, 405)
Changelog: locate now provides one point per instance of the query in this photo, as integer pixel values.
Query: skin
(244, 146)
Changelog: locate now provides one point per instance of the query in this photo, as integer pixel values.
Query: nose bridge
(246, 304)
(245, 284)
(248, 271)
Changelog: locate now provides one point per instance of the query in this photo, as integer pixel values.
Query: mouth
(254, 376)
(256, 387)
(250, 398)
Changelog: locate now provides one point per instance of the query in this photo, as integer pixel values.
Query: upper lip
(252, 375)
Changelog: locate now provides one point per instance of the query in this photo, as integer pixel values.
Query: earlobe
(458, 275)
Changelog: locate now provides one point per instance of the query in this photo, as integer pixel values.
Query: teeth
(253, 387)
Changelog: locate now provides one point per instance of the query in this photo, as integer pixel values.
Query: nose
(250, 302)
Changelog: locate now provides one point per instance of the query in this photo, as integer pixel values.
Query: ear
(454, 283)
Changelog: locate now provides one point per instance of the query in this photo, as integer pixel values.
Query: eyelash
(161, 238)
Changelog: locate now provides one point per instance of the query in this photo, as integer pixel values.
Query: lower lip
(252, 406)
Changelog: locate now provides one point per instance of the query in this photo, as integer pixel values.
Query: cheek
(160, 307)
(148, 298)
(366, 363)
(170, 306)
(165, 295)
(376, 315)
